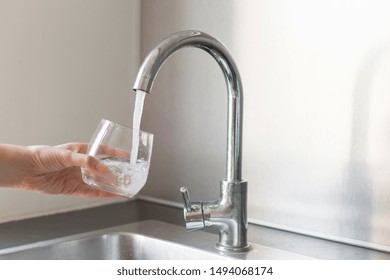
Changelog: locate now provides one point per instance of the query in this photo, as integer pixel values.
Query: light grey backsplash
(316, 78)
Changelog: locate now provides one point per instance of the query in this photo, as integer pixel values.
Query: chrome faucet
(229, 213)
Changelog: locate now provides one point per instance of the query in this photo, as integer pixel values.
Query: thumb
(68, 158)
(53, 159)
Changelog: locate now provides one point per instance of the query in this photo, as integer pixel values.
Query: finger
(112, 151)
(57, 159)
(74, 147)
(66, 158)
(103, 149)
(94, 165)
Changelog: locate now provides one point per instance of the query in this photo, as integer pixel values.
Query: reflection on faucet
(229, 213)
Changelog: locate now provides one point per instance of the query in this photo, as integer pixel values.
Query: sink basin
(117, 246)
(145, 240)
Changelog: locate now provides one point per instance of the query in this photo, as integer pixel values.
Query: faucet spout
(167, 47)
(228, 213)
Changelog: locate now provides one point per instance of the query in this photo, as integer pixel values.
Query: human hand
(56, 170)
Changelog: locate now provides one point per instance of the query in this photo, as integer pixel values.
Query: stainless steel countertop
(75, 222)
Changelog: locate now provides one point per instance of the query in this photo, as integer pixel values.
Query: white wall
(316, 78)
(64, 65)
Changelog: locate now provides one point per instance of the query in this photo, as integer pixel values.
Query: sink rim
(202, 242)
(134, 230)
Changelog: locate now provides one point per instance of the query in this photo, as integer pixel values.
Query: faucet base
(230, 249)
(228, 215)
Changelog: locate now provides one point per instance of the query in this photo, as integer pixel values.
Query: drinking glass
(126, 152)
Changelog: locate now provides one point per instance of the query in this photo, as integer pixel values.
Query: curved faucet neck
(216, 49)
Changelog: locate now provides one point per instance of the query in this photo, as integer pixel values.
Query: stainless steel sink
(115, 246)
(143, 240)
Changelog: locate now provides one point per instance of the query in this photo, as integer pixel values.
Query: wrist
(14, 161)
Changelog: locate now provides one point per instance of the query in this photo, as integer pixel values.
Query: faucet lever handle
(193, 212)
(186, 198)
